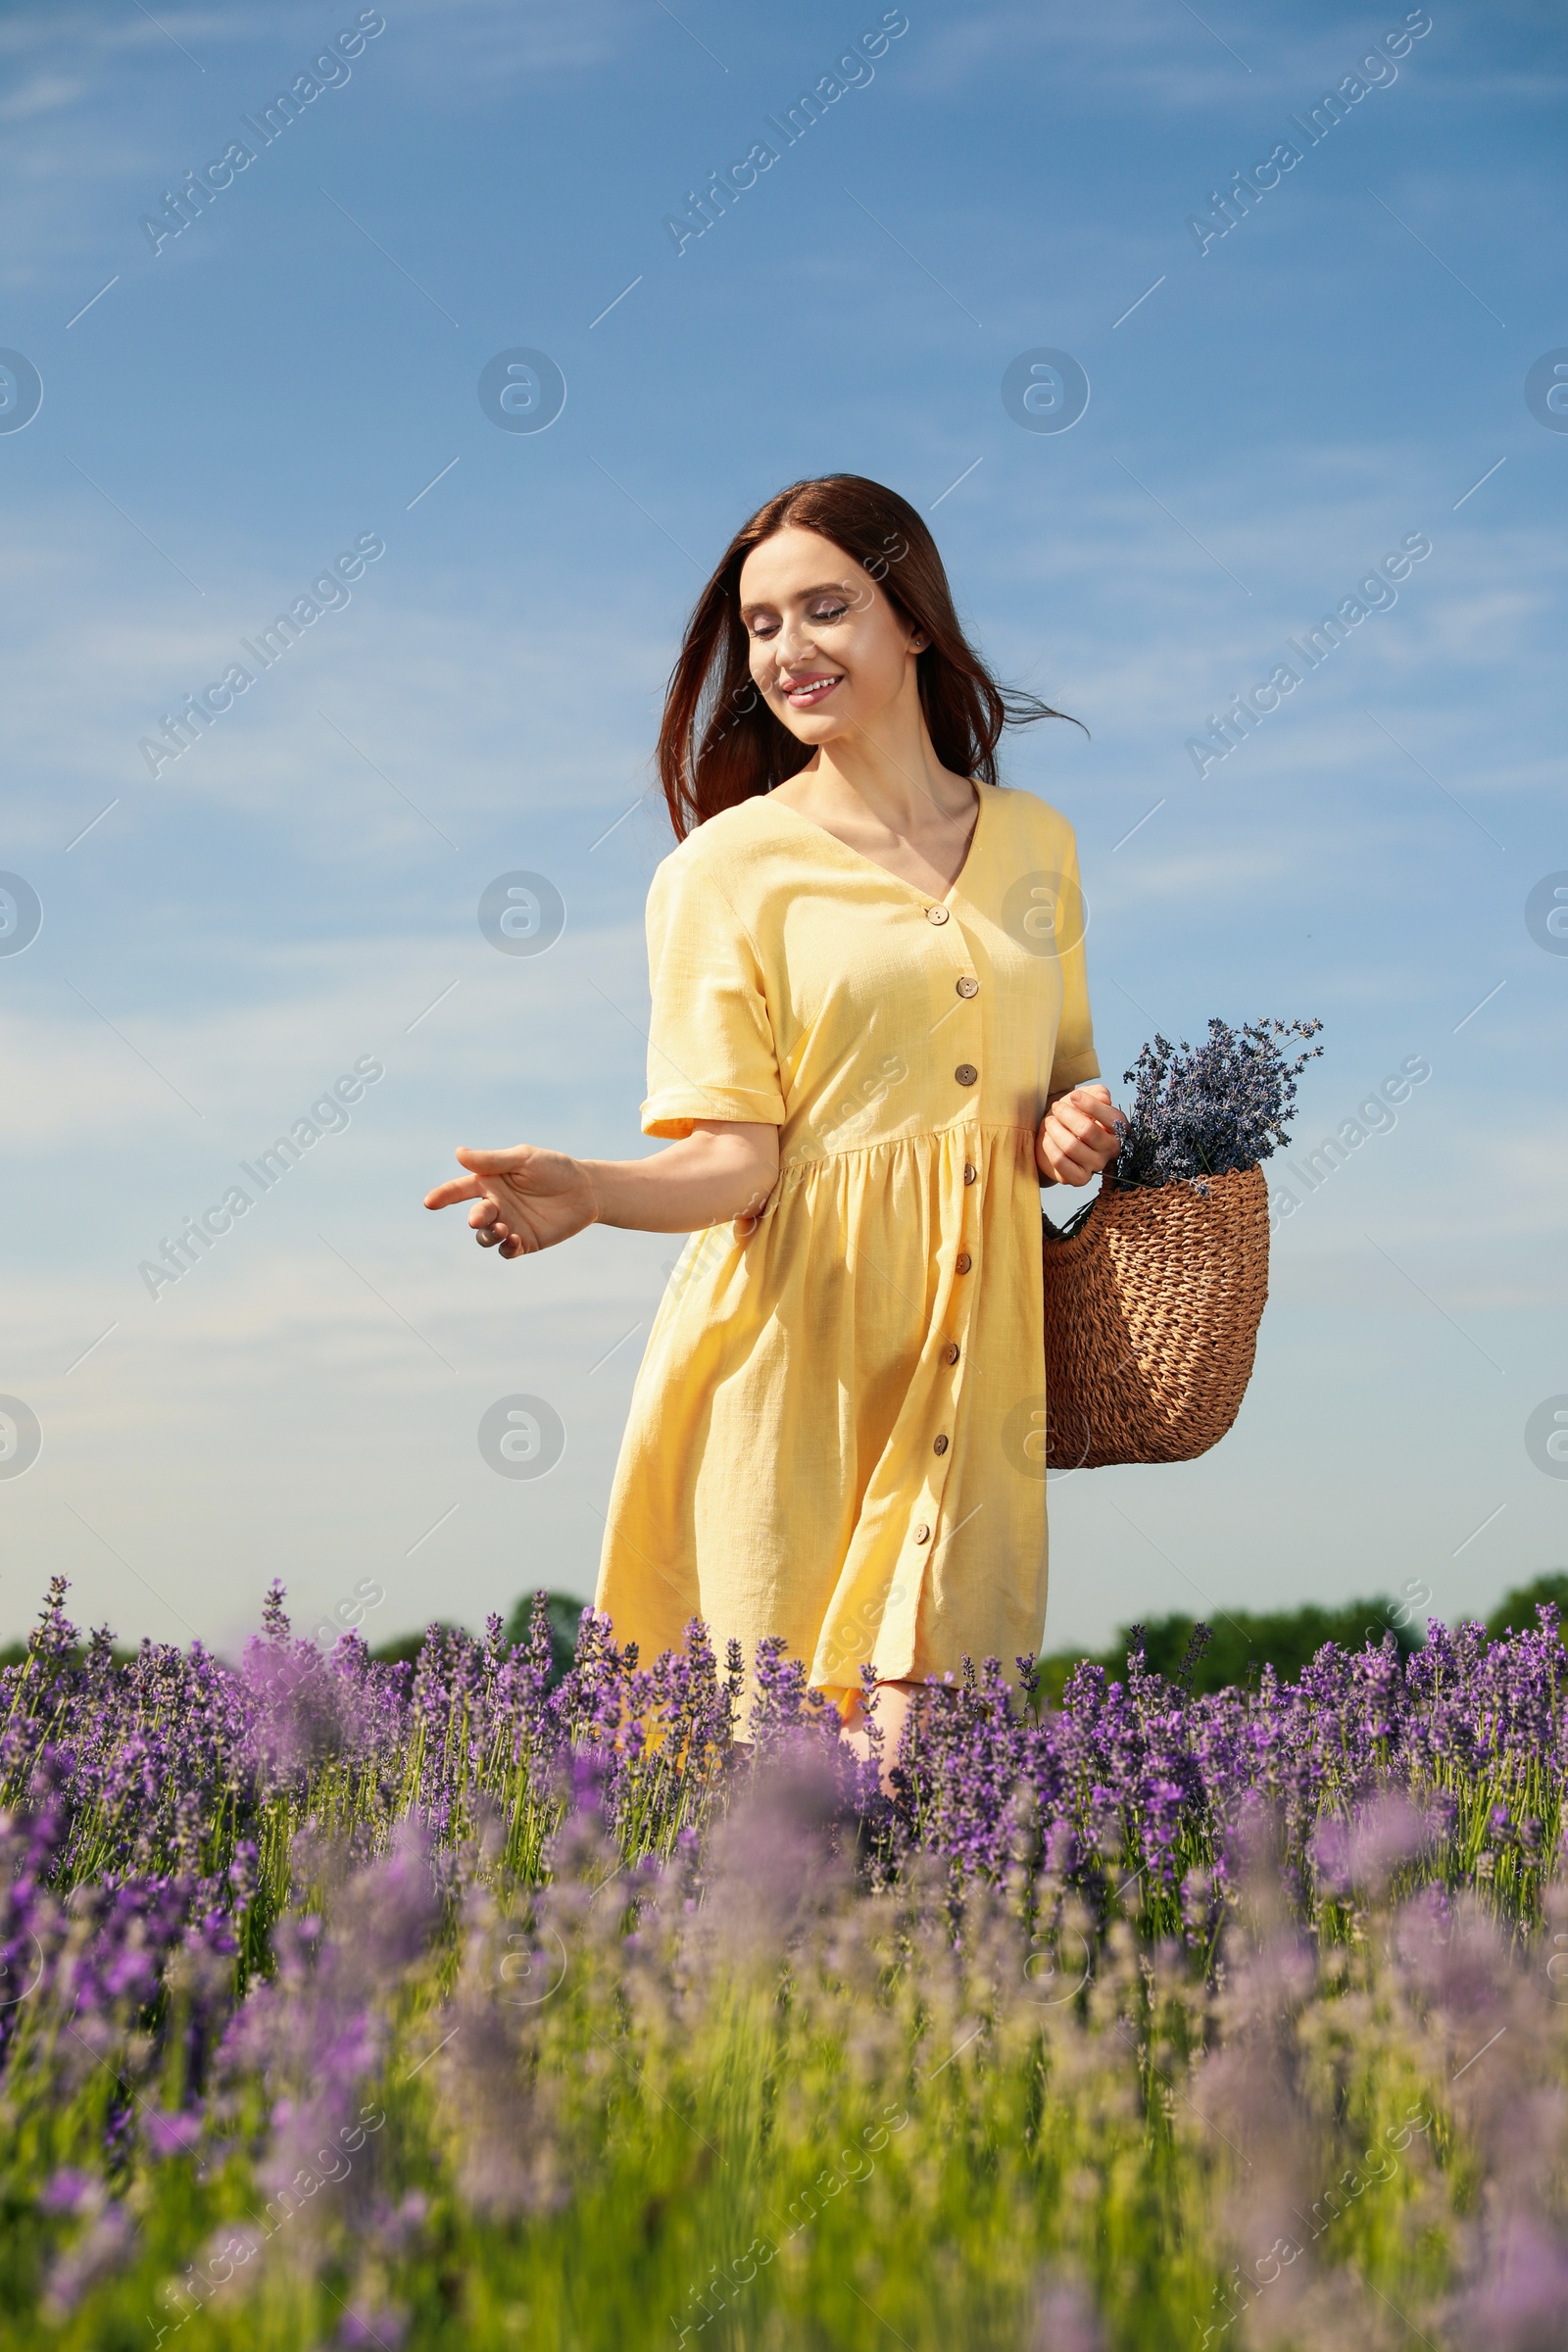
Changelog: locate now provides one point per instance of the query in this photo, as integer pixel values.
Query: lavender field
(350, 2004)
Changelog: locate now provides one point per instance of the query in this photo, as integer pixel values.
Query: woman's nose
(795, 644)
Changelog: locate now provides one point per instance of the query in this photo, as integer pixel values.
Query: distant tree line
(1241, 1643)
(1204, 1655)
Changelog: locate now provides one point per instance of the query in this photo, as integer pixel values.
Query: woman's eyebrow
(764, 604)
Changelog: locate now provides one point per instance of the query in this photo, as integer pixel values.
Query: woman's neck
(887, 775)
(917, 819)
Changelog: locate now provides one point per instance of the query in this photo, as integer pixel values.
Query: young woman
(870, 1035)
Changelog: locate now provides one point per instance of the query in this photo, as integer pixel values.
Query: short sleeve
(711, 1052)
(1075, 1058)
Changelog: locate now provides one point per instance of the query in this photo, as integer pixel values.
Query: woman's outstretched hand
(523, 1199)
(1078, 1134)
(526, 1199)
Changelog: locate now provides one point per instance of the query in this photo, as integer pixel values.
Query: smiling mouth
(806, 693)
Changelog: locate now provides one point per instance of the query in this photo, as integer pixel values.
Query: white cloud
(295, 1014)
(541, 720)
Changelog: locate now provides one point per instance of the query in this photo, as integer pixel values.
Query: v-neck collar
(902, 881)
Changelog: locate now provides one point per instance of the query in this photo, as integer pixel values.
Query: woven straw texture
(1151, 1315)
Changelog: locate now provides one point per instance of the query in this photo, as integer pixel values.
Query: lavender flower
(1196, 1113)
(381, 1975)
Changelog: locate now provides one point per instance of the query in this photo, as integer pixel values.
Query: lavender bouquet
(1225, 1105)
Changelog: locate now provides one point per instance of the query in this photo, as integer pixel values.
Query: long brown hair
(720, 744)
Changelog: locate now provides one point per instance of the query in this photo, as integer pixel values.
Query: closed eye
(822, 617)
(823, 606)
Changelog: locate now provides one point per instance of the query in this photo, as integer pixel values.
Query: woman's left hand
(1078, 1134)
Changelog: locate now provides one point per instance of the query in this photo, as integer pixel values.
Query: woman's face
(828, 651)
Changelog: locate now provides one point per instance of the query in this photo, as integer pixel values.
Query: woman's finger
(1074, 1151)
(1087, 1118)
(493, 1163)
(1097, 1140)
(1075, 1158)
(1069, 1119)
(1087, 1109)
(455, 1189)
(1065, 1129)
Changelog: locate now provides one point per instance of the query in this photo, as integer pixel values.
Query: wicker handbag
(1152, 1302)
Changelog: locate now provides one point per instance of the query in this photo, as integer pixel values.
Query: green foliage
(1241, 1643)
(1515, 1613)
(565, 1612)
(764, 2119)
(404, 1649)
(15, 1653)
(633, 2089)
(563, 1609)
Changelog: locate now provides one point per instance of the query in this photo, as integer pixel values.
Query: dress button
(940, 1445)
(936, 914)
(968, 986)
(950, 1353)
(970, 1173)
(922, 1534)
(966, 1073)
(963, 1261)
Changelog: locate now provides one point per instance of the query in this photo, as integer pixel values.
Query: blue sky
(1271, 413)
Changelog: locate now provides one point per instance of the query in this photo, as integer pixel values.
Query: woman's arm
(526, 1199)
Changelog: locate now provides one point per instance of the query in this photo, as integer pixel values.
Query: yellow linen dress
(837, 1432)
